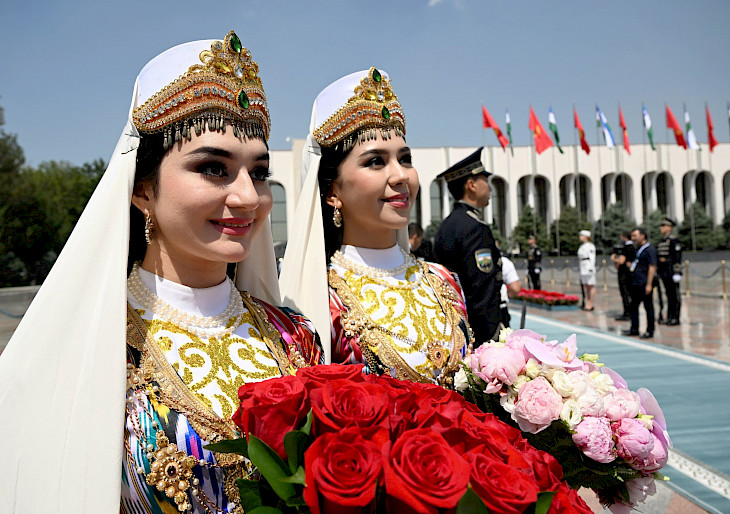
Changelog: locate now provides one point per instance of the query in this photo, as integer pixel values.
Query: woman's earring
(149, 228)
(337, 218)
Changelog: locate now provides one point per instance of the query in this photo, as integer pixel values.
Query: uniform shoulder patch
(484, 260)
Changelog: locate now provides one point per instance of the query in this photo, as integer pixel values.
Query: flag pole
(483, 129)
(509, 182)
(600, 174)
(693, 185)
(576, 173)
(555, 208)
(532, 186)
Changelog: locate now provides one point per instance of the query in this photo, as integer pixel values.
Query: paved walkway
(687, 367)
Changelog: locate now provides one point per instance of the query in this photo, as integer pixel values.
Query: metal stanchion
(724, 284)
(605, 279)
(552, 272)
(567, 273)
(686, 274)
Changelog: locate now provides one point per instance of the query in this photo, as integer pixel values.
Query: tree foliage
(567, 228)
(38, 210)
(526, 225)
(706, 237)
(607, 230)
(651, 225)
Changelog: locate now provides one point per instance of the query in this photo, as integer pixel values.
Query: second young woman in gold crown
(394, 313)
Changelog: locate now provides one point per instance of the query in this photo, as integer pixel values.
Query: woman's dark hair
(149, 156)
(329, 165)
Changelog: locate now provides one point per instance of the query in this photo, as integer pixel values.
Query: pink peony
(499, 364)
(516, 340)
(622, 403)
(556, 354)
(591, 403)
(639, 489)
(656, 459)
(633, 439)
(593, 436)
(537, 405)
(650, 406)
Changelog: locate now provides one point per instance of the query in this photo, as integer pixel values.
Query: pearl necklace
(202, 326)
(377, 274)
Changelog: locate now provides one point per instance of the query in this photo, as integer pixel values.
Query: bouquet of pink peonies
(605, 436)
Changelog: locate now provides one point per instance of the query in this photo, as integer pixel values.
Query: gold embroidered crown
(373, 106)
(225, 87)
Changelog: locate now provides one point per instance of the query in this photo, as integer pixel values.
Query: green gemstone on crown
(235, 43)
(377, 77)
(243, 100)
(386, 113)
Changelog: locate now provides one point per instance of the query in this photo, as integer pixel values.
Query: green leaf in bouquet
(544, 500)
(296, 501)
(250, 494)
(296, 478)
(271, 467)
(264, 510)
(295, 443)
(307, 428)
(238, 446)
(470, 503)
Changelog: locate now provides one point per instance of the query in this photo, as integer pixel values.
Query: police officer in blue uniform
(465, 245)
(669, 267)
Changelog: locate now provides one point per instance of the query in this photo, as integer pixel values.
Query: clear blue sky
(68, 67)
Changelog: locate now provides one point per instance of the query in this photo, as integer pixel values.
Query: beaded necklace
(202, 326)
(377, 274)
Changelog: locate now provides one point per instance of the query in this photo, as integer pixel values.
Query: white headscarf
(303, 279)
(62, 375)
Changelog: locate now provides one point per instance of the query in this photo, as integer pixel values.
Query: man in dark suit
(465, 245)
(643, 270)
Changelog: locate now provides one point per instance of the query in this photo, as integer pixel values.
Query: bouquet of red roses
(331, 439)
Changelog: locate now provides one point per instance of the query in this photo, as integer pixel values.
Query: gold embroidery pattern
(378, 313)
(209, 367)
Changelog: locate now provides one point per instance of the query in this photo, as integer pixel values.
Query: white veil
(303, 279)
(62, 375)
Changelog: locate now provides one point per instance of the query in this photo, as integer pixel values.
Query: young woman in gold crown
(184, 199)
(388, 310)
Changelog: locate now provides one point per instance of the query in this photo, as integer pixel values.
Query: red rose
(474, 437)
(341, 404)
(567, 501)
(343, 471)
(502, 487)
(271, 408)
(545, 467)
(423, 474)
(317, 376)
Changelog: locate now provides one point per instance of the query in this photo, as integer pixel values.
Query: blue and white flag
(602, 122)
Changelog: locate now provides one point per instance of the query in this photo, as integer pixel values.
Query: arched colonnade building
(669, 179)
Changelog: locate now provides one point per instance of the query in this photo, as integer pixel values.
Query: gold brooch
(373, 106)
(171, 471)
(225, 87)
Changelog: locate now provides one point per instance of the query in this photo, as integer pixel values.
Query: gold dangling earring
(149, 228)
(337, 218)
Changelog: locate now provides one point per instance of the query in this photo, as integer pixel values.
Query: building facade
(669, 179)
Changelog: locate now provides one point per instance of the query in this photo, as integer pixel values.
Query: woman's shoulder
(295, 329)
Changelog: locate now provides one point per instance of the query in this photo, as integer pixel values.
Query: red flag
(542, 140)
(488, 122)
(710, 130)
(673, 124)
(581, 132)
(622, 122)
